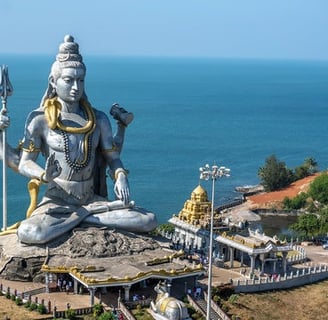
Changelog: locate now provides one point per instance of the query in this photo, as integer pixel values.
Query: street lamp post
(213, 173)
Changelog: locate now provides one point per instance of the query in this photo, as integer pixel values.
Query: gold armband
(31, 148)
(117, 171)
(42, 179)
(113, 149)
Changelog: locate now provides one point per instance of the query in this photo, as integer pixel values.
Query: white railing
(296, 278)
(297, 258)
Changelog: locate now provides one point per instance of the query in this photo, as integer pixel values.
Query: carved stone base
(23, 262)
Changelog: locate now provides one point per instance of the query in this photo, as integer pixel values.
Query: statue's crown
(69, 50)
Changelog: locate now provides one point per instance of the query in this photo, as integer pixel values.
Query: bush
(27, 304)
(106, 316)
(167, 227)
(225, 307)
(33, 306)
(224, 291)
(8, 295)
(233, 298)
(97, 309)
(70, 314)
(42, 309)
(217, 300)
(197, 316)
(295, 203)
(19, 301)
(13, 297)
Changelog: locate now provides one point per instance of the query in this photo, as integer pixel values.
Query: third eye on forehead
(73, 73)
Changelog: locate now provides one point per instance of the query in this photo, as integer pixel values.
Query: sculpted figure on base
(78, 144)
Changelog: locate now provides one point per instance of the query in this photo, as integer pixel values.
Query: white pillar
(75, 286)
(253, 257)
(231, 253)
(169, 286)
(127, 292)
(284, 261)
(92, 296)
(47, 282)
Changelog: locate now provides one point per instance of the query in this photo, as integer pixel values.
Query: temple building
(196, 211)
(250, 248)
(193, 221)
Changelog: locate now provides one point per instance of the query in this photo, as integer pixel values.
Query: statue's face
(70, 85)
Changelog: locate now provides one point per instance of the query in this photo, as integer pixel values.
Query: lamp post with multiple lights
(213, 173)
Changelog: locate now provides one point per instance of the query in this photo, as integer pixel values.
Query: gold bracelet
(113, 149)
(117, 171)
(42, 179)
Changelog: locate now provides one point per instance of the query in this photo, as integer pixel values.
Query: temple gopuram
(231, 242)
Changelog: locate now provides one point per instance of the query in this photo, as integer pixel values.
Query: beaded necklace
(52, 109)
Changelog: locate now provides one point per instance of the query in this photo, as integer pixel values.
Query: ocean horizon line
(171, 57)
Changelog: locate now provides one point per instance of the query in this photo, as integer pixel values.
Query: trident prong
(6, 88)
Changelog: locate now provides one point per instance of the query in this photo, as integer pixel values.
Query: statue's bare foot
(120, 114)
(110, 206)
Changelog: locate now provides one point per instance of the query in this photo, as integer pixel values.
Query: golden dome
(199, 194)
(199, 190)
(196, 209)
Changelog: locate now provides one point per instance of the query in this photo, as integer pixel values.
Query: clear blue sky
(283, 29)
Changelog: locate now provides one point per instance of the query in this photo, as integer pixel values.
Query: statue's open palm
(53, 168)
(122, 189)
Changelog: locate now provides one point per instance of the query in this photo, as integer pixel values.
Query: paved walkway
(58, 299)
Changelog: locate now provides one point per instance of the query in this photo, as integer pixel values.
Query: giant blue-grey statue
(77, 141)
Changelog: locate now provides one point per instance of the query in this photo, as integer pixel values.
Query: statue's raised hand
(53, 168)
(121, 188)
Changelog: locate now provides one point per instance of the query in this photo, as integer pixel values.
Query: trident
(6, 90)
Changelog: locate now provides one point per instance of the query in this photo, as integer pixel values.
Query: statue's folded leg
(43, 227)
(133, 219)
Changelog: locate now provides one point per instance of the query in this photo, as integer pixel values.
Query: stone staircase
(203, 305)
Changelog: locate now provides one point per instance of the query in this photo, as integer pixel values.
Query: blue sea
(189, 112)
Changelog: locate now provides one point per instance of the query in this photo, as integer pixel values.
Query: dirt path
(270, 199)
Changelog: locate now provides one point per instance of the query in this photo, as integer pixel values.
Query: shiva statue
(78, 145)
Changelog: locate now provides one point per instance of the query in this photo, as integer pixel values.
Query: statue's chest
(57, 140)
(75, 149)
(67, 139)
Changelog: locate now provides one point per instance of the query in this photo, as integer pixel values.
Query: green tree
(307, 224)
(318, 189)
(308, 167)
(301, 172)
(274, 175)
(323, 221)
(311, 164)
